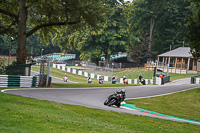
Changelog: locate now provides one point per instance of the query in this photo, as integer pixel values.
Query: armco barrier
(18, 81)
(195, 80)
(154, 80)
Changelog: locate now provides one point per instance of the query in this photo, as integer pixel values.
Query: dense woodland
(142, 28)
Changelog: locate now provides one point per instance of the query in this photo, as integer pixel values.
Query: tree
(22, 18)
(164, 20)
(139, 51)
(110, 38)
(193, 30)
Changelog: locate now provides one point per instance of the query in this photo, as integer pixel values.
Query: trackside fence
(195, 80)
(18, 81)
(154, 80)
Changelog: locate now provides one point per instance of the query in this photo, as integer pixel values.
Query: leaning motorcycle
(143, 81)
(115, 99)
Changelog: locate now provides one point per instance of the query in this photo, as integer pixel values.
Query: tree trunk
(21, 49)
(152, 22)
(107, 59)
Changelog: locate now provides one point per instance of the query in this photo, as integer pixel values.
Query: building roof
(179, 52)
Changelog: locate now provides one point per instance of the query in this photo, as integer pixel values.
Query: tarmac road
(95, 97)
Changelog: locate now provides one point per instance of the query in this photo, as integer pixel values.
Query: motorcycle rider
(113, 80)
(100, 80)
(65, 78)
(65, 75)
(123, 92)
(142, 80)
(125, 80)
(89, 80)
(118, 95)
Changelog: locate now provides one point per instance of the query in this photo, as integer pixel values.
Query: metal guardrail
(18, 81)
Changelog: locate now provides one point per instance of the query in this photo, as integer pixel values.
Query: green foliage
(2, 64)
(109, 38)
(169, 22)
(139, 51)
(193, 30)
(21, 19)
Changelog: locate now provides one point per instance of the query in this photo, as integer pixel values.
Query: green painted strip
(195, 80)
(89, 74)
(118, 80)
(139, 109)
(149, 81)
(138, 81)
(13, 81)
(77, 71)
(83, 73)
(154, 80)
(34, 81)
(132, 81)
(109, 78)
(95, 76)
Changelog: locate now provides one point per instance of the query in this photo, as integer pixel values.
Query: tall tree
(22, 18)
(139, 51)
(164, 20)
(193, 29)
(110, 38)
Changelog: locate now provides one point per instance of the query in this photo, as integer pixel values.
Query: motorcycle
(114, 81)
(65, 78)
(115, 99)
(100, 81)
(143, 81)
(125, 81)
(89, 81)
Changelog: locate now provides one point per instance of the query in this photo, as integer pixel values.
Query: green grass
(133, 73)
(82, 81)
(22, 114)
(183, 104)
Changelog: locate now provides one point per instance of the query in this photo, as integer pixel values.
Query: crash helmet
(123, 90)
(124, 76)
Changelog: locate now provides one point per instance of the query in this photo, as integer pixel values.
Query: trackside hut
(180, 60)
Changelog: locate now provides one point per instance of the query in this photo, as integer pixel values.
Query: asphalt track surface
(95, 97)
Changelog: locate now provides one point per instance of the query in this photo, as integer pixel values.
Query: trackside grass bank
(22, 114)
(184, 104)
(81, 80)
(133, 73)
(130, 73)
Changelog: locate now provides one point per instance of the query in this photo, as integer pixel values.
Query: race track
(95, 97)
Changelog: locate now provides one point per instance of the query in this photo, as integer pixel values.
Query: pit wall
(154, 80)
(18, 81)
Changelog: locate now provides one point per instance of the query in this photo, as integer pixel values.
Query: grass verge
(184, 104)
(133, 73)
(82, 81)
(22, 114)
